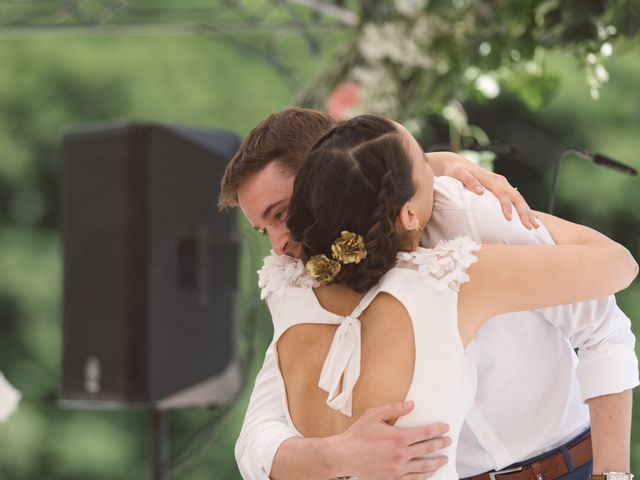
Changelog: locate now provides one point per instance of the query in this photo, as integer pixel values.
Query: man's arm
(611, 431)
(265, 425)
(268, 448)
(598, 329)
(607, 371)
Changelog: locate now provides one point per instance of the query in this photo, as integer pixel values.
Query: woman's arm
(585, 264)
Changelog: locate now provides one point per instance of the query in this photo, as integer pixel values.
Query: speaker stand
(160, 444)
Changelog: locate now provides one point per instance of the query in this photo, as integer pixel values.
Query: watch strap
(611, 476)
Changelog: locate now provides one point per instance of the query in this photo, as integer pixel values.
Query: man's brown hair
(284, 137)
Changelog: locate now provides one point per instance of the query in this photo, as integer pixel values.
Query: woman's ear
(407, 219)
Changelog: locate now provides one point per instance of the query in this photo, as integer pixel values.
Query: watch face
(618, 476)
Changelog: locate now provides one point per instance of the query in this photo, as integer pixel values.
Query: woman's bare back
(387, 362)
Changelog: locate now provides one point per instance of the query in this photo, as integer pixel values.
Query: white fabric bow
(341, 368)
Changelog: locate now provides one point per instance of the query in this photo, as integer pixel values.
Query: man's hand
(476, 179)
(372, 449)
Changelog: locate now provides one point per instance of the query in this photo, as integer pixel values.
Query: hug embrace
(421, 329)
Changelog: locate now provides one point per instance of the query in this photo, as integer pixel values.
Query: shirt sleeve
(597, 329)
(265, 425)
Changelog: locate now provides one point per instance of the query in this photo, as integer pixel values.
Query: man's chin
(294, 252)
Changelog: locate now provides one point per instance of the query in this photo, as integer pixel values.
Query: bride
(376, 319)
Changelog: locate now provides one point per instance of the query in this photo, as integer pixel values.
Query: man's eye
(262, 231)
(280, 215)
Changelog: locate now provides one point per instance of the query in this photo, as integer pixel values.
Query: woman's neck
(338, 298)
(410, 241)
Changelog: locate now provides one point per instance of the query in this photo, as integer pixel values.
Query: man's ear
(406, 219)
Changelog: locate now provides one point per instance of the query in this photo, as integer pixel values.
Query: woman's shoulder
(443, 266)
(280, 272)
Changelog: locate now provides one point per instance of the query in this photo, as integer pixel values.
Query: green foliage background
(48, 84)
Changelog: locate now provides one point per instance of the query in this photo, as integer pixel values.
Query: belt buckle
(492, 475)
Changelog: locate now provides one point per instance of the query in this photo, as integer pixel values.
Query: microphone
(597, 158)
(600, 159)
(613, 164)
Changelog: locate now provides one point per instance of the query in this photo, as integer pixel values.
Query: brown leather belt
(548, 468)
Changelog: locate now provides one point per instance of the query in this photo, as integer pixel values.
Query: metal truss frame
(230, 21)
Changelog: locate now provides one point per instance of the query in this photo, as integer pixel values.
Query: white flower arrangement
(405, 45)
(411, 58)
(9, 399)
(388, 49)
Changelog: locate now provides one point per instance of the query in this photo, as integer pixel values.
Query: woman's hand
(476, 179)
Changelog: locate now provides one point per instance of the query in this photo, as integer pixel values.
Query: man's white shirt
(531, 383)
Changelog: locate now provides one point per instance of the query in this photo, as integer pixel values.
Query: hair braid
(380, 241)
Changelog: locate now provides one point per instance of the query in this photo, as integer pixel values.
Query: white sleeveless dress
(426, 283)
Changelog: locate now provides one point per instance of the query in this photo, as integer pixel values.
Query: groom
(528, 420)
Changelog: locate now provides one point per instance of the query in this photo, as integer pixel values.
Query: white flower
(534, 68)
(281, 271)
(487, 85)
(9, 398)
(392, 50)
(484, 49)
(601, 73)
(445, 265)
(379, 90)
(402, 44)
(455, 114)
(410, 8)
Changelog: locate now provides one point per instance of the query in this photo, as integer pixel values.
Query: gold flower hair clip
(349, 247)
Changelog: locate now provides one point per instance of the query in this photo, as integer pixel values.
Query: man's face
(264, 200)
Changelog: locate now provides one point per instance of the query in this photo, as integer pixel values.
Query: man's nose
(280, 240)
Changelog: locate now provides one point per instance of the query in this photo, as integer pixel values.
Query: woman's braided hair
(356, 177)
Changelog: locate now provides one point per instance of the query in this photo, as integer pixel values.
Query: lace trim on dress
(281, 271)
(444, 265)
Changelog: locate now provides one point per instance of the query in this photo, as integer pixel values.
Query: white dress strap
(341, 368)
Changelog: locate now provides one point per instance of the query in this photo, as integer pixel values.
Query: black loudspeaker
(150, 268)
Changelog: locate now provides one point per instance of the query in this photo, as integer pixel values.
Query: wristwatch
(612, 476)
